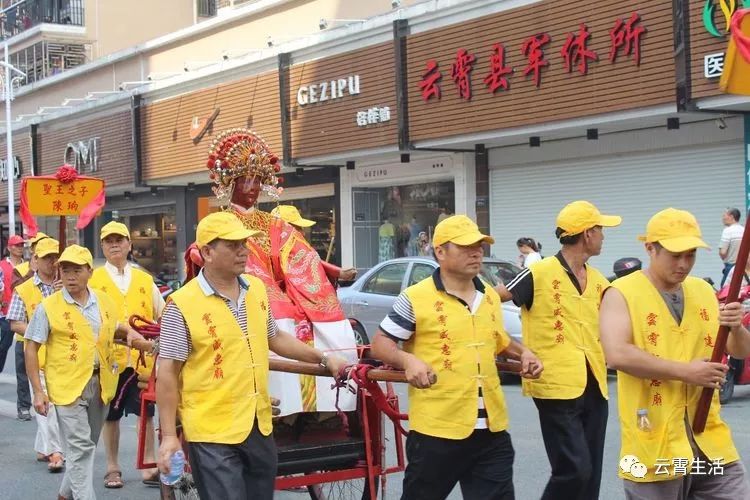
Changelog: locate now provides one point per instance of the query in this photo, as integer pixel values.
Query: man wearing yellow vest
(28, 268)
(78, 326)
(25, 270)
(216, 332)
(658, 328)
(133, 292)
(559, 298)
(451, 325)
(26, 297)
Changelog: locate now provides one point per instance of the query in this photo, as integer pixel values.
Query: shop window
(398, 221)
(154, 239)
(387, 281)
(420, 272)
(322, 211)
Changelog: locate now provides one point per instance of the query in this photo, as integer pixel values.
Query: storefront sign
(83, 155)
(373, 116)
(713, 65)
(625, 40)
(728, 8)
(51, 197)
(4, 169)
(325, 91)
(381, 172)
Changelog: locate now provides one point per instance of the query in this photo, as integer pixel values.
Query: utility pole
(8, 81)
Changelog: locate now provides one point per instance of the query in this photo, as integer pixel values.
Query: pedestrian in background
(14, 258)
(529, 251)
(729, 246)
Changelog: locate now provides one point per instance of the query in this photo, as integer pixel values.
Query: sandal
(56, 463)
(113, 480)
(152, 479)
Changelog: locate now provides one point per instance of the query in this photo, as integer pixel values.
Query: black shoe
(24, 415)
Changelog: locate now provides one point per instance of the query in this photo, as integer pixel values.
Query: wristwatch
(324, 360)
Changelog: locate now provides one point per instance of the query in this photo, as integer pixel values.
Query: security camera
(121, 86)
(269, 41)
(322, 24)
(149, 78)
(186, 68)
(395, 4)
(721, 123)
(225, 56)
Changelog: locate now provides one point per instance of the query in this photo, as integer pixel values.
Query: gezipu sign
(328, 90)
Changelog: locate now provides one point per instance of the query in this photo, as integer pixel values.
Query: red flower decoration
(66, 174)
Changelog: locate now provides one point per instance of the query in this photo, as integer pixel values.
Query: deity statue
(299, 284)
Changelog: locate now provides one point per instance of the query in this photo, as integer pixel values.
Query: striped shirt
(401, 324)
(174, 340)
(17, 309)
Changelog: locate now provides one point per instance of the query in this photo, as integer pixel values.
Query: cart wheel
(184, 489)
(352, 489)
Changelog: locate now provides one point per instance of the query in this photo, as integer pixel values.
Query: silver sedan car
(371, 297)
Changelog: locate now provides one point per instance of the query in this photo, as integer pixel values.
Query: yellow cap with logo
(676, 230)
(580, 215)
(460, 230)
(37, 238)
(76, 254)
(290, 214)
(221, 225)
(114, 227)
(46, 247)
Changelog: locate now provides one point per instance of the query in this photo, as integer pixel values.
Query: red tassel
(89, 211)
(26, 216)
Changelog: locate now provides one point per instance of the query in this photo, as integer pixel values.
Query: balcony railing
(24, 15)
(207, 8)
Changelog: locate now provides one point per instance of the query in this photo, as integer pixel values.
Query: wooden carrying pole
(379, 375)
(701, 412)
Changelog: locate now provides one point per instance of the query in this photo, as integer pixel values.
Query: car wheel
(360, 336)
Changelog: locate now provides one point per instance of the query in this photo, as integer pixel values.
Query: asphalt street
(23, 478)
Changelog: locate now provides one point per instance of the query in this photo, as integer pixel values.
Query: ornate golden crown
(241, 152)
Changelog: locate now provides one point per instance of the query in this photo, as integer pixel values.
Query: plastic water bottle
(643, 422)
(176, 468)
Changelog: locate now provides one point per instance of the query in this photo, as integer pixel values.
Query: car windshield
(499, 272)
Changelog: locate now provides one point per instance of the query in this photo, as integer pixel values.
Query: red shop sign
(625, 37)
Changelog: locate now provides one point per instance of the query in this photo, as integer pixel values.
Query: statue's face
(246, 191)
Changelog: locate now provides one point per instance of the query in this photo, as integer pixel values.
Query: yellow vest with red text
(23, 268)
(224, 382)
(31, 296)
(668, 401)
(562, 329)
(461, 349)
(71, 346)
(138, 300)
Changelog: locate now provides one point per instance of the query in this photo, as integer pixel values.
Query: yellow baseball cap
(290, 214)
(675, 230)
(460, 230)
(580, 215)
(46, 247)
(37, 238)
(221, 225)
(76, 254)
(114, 227)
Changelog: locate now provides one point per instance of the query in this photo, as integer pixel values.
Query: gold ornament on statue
(238, 153)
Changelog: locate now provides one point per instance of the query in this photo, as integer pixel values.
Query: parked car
(371, 297)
